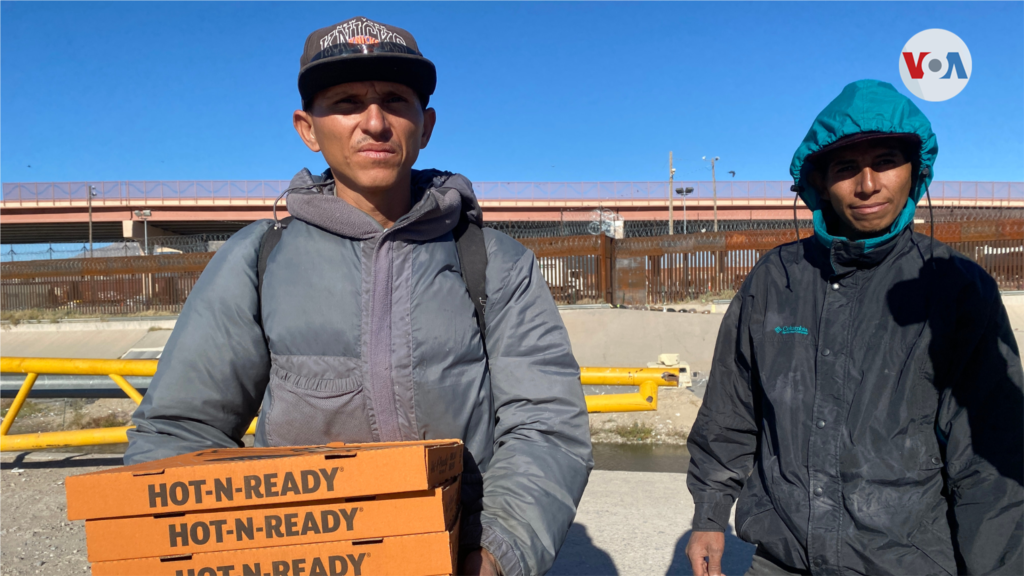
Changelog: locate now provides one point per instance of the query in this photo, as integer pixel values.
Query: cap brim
(909, 138)
(413, 71)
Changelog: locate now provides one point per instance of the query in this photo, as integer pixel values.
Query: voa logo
(935, 65)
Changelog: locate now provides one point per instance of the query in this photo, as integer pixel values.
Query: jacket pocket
(322, 403)
(752, 516)
(752, 508)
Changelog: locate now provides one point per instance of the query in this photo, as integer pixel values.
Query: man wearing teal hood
(866, 401)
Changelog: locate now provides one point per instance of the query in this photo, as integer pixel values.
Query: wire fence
(634, 228)
(157, 245)
(141, 191)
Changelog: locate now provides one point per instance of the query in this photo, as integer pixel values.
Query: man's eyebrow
(393, 92)
(842, 161)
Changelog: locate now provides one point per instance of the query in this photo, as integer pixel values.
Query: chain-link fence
(157, 245)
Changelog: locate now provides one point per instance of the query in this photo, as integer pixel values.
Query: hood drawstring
(796, 223)
(931, 215)
(318, 186)
(277, 223)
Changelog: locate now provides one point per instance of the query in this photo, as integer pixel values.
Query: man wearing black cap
(381, 311)
(866, 400)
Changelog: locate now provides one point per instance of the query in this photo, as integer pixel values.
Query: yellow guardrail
(646, 398)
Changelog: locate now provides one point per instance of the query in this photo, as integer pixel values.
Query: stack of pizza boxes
(335, 510)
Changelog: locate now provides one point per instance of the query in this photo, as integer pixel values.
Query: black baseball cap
(910, 143)
(359, 50)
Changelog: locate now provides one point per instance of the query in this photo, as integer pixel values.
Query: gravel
(35, 534)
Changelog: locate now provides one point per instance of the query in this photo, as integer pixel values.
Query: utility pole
(671, 175)
(714, 188)
(90, 191)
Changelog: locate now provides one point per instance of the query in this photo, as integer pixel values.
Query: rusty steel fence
(578, 269)
(102, 285)
(667, 269)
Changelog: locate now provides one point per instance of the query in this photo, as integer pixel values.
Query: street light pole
(144, 215)
(671, 174)
(684, 192)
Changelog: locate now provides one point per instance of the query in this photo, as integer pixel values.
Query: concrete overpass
(39, 212)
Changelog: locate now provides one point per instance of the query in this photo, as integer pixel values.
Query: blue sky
(531, 91)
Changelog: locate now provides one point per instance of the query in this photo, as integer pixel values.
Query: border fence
(119, 285)
(261, 191)
(579, 269)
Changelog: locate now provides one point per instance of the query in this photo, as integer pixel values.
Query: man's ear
(429, 119)
(303, 123)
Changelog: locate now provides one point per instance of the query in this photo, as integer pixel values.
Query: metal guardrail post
(629, 376)
(115, 369)
(646, 399)
(30, 379)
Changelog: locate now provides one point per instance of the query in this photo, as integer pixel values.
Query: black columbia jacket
(865, 406)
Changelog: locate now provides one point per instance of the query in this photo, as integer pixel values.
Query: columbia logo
(791, 330)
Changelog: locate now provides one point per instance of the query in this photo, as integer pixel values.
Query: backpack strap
(270, 239)
(469, 243)
(273, 235)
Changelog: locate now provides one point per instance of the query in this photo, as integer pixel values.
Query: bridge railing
(647, 380)
(139, 192)
(142, 191)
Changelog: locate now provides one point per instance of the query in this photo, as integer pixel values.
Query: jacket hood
(438, 199)
(865, 106)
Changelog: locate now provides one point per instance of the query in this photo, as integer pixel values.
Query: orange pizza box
(246, 477)
(434, 510)
(419, 555)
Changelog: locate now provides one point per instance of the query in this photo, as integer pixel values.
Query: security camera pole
(671, 201)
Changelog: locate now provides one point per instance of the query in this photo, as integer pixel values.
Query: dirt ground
(37, 538)
(50, 415)
(669, 424)
(35, 534)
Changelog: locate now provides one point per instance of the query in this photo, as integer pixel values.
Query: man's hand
(705, 553)
(479, 563)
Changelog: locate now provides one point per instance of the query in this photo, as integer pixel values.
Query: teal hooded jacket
(865, 106)
(865, 407)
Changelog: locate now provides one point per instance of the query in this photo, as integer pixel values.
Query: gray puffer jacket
(367, 335)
